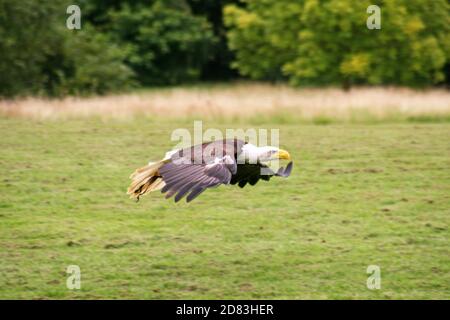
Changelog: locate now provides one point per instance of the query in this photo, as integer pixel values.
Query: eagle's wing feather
(251, 174)
(285, 172)
(182, 178)
(246, 173)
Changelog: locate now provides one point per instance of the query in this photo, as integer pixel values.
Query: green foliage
(212, 65)
(161, 42)
(92, 64)
(218, 66)
(27, 36)
(164, 43)
(322, 42)
(39, 55)
(263, 35)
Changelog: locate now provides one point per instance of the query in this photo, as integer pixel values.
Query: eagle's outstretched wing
(182, 179)
(193, 170)
(252, 173)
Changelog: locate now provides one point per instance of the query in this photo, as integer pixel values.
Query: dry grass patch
(241, 100)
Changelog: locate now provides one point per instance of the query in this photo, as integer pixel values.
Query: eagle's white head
(253, 154)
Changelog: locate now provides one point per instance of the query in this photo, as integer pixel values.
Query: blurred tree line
(121, 44)
(326, 42)
(128, 43)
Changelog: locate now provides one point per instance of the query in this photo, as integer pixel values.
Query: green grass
(360, 194)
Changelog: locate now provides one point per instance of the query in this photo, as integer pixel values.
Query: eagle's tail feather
(146, 179)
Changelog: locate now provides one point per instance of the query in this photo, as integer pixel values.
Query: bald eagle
(192, 170)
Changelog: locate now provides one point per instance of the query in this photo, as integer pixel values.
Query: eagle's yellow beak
(282, 154)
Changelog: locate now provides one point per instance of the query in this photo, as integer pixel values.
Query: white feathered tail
(146, 179)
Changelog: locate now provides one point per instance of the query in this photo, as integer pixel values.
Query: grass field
(361, 194)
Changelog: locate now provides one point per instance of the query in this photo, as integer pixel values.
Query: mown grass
(360, 195)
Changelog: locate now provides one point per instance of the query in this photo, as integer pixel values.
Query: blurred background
(146, 43)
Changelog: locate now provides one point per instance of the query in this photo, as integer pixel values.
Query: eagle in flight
(192, 170)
